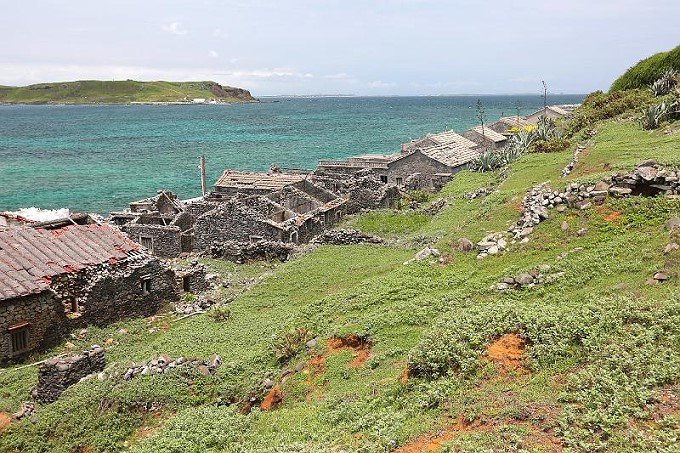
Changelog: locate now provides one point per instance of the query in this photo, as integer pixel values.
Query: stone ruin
(192, 278)
(57, 374)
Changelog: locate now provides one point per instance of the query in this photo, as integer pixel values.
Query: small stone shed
(485, 137)
(52, 281)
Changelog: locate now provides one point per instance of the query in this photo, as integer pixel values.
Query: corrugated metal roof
(29, 257)
(269, 181)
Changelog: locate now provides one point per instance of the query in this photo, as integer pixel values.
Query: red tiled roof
(29, 257)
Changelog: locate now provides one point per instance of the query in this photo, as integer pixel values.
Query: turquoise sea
(98, 158)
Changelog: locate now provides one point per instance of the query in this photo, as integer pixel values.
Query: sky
(361, 47)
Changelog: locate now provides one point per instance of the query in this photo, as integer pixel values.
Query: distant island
(124, 92)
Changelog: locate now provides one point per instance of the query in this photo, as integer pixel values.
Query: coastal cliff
(123, 92)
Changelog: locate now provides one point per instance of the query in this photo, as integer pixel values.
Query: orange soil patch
(615, 215)
(433, 442)
(273, 399)
(506, 352)
(361, 348)
(5, 419)
(404, 376)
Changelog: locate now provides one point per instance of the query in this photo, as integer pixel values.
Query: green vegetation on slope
(646, 71)
(599, 368)
(120, 92)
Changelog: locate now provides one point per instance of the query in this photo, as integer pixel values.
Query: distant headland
(124, 92)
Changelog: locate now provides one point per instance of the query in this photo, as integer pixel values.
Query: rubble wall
(228, 224)
(58, 374)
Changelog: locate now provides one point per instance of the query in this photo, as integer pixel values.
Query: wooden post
(202, 167)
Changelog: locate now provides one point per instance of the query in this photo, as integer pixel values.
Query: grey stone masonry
(57, 374)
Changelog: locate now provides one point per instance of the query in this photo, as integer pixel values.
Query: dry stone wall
(58, 374)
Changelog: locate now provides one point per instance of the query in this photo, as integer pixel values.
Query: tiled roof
(451, 155)
(512, 121)
(247, 180)
(489, 133)
(29, 257)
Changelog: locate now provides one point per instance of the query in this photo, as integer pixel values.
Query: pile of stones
(435, 207)
(25, 410)
(539, 275)
(165, 364)
(346, 237)
(491, 244)
(535, 210)
(484, 191)
(198, 304)
(647, 179)
(427, 252)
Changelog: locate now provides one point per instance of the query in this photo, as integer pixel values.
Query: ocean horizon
(98, 158)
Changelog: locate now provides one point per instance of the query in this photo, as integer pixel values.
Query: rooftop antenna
(201, 165)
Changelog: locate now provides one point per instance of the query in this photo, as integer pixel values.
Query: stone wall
(192, 278)
(242, 252)
(43, 316)
(110, 292)
(166, 241)
(364, 189)
(58, 374)
(232, 222)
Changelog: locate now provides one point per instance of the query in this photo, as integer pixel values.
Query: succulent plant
(665, 84)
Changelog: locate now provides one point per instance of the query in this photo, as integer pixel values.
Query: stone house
(431, 161)
(52, 281)
(551, 112)
(485, 137)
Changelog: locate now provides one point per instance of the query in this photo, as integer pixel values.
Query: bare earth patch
(506, 353)
(273, 399)
(360, 347)
(5, 420)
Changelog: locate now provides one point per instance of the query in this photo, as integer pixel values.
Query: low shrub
(287, 345)
(645, 72)
(220, 312)
(599, 106)
(553, 145)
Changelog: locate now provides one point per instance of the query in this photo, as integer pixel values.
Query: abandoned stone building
(426, 163)
(54, 280)
(485, 137)
(272, 206)
(161, 224)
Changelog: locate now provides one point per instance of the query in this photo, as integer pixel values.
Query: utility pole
(201, 165)
(545, 98)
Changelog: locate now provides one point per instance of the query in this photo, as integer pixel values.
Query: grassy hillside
(120, 92)
(646, 71)
(588, 362)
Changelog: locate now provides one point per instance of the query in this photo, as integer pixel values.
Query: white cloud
(174, 28)
(269, 73)
(213, 54)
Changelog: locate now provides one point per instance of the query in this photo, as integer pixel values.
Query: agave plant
(487, 161)
(523, 139)
(546, 129)
(653, 116)
(665, 84)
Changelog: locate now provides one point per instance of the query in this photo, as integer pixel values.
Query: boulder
(673, 223)
(464, 245)
(524, 279)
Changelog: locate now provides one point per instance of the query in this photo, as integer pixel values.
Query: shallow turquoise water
(98, 158)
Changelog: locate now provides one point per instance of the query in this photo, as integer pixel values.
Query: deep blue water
(98, 158)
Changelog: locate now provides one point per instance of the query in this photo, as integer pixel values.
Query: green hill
(120, 92)
(646, 71)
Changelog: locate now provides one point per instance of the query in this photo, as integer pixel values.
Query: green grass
(112, 92)
(603, 348)
(648, 70)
